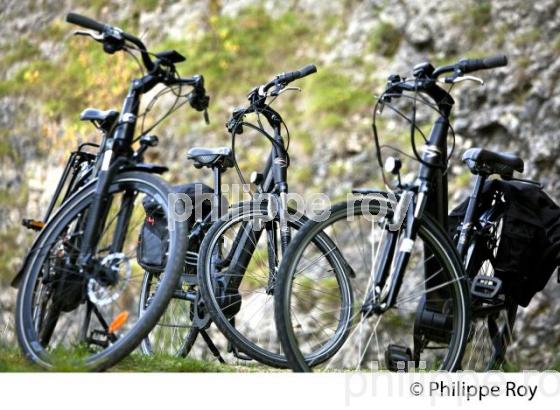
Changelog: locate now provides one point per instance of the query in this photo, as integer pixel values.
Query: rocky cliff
(47, 77)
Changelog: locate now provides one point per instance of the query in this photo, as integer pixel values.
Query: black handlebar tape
(91, 24)
(85, 22)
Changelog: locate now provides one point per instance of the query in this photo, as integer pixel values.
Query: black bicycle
(239, 254)
(409, 303)
(80, 283)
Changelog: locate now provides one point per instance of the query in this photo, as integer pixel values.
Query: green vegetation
(386, 39)
(333, 97)
(475, 16)
(21, 51)
(481, 13)
(528, 38)
(146, 5)
(11, 360)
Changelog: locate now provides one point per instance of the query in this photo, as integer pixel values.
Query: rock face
(517, 110)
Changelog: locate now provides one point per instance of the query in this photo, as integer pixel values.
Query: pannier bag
(529, 248)
(153, 240)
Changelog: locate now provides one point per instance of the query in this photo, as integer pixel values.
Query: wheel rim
(367, 343)
(121, 317)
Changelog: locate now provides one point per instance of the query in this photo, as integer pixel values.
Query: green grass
(11, 360)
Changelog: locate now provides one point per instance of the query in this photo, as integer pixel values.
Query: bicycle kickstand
(212, 346)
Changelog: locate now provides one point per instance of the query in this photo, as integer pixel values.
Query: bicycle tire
(77, 203)
(238, 339)
(429, 229)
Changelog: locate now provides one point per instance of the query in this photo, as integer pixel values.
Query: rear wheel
(89, 319)
(493, 319)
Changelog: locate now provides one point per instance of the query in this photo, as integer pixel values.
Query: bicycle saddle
(481, 161)
(102, 119)
(211, 157)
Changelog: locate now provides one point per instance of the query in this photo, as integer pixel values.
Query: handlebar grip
(499, 60)
(307, 70)
(286, 78)
(295, 75)
(468, 66)
(85, 22)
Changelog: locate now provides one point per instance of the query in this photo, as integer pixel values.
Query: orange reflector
(37, 224)
(118, 322)
(33, 224)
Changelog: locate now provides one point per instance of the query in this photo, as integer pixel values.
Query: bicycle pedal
(33, 224)
(485, 287)
(397, 358)
(101, 338)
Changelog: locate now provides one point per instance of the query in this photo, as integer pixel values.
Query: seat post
(470, 213)
(217, 197)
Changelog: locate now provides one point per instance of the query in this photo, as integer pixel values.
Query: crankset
(433, 325)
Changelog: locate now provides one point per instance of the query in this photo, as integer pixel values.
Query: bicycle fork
(391, 261)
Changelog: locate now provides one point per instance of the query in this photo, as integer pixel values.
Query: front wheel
(426, 328)
(237, 272)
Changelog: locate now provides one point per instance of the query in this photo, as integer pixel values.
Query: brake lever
(287, 89)
(455, 80)
(470, 78)
(206, 117)
(96, 37)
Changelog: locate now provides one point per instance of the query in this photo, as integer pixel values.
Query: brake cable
(417, 97)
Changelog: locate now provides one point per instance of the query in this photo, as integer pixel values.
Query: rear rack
(69, 178)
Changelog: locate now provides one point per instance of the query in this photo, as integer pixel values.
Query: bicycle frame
(274, 183)
(429, 195)
(116, 153)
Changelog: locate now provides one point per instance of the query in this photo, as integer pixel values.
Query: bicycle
(78, 284)
(240, 252)
(498, 271)
(409, 304)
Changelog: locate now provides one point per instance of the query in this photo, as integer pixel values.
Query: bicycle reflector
(118, 322)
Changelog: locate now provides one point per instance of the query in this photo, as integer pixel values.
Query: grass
(11, 360)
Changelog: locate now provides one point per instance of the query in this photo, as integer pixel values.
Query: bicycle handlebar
(286, 78)
(486, 63)
(469, 65)
(107, 29)
(86, 22)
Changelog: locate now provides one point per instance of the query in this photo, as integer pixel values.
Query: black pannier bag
(153, 240)
(529, 248)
